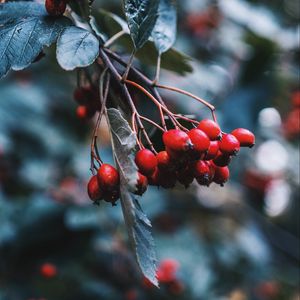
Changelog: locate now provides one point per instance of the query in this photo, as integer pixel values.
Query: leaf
(139, 230)
(124, 146)
(164, 32)
(82, 8)
(173, 60)
(138, 225)
(76, 47)
(141, 16)
(25, 28)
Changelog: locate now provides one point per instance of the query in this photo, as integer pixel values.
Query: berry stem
(125, 75)
(115, 37)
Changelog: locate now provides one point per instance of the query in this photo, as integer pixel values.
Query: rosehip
(211, 128)
(199, 139)
(221, 175)
(177, 140)
(142, 184)
(202, 172)
(108, 178)
(244, 136)
(229, 144)
(222, 159)
(212, 150)
(146, 161)
(164, 161)
(93, 189)
(55, 7)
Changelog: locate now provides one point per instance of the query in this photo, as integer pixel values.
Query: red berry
(146, 161)
(153, 178)
(229, 144)
(202, 172)
(244, 136)
(82, 112)
(142, 184)
(221, 175)
(199, 139)
(222, 160)
(48, 270)
(93, 189)
(212, 150)
(164, 161)
(177, 140)
(211, 128)
(108, 178)
(166, 271)
(55, 7)
(111, 196)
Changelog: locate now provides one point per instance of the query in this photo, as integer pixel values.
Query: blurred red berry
(55, 7)
(48, 270)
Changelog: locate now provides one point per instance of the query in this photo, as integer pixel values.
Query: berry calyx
(108, 178)
(212, 150)
(55, 7)
(244, 136)
(177, 140)
(199, 140)
(211, 128)
(229, 144)
(141, 185)
(93, 189)
(221, 175)
(146, 161)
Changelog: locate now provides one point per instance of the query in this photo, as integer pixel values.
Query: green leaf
(172, 60)
(76, 47)
(25, 28)
(164, 32)
(82, 8)
(141, 16)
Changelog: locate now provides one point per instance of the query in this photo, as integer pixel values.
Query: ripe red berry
(177, 140)
(146, 161)
(153, 178)
(55, 7)
(93, 189)
(164, 161)
(82, 112)
(222, 160)
(142, 184)
(202, 172)
(211, 128)
(221, 175)
(212, 150)
(244, 136)
(199, 140)
(48, 270)
(166, 271)
(229, 144)
(108, 178)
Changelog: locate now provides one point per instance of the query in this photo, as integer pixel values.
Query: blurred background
(238, 242)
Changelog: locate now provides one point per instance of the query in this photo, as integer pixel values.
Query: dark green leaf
(76, 47)
(141, 16)
(164, 32)
(82, 8)
(25, 28)
(124, 146)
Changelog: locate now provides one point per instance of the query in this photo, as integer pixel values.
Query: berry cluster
(202, 153)
(87, 97)
(56, 7)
